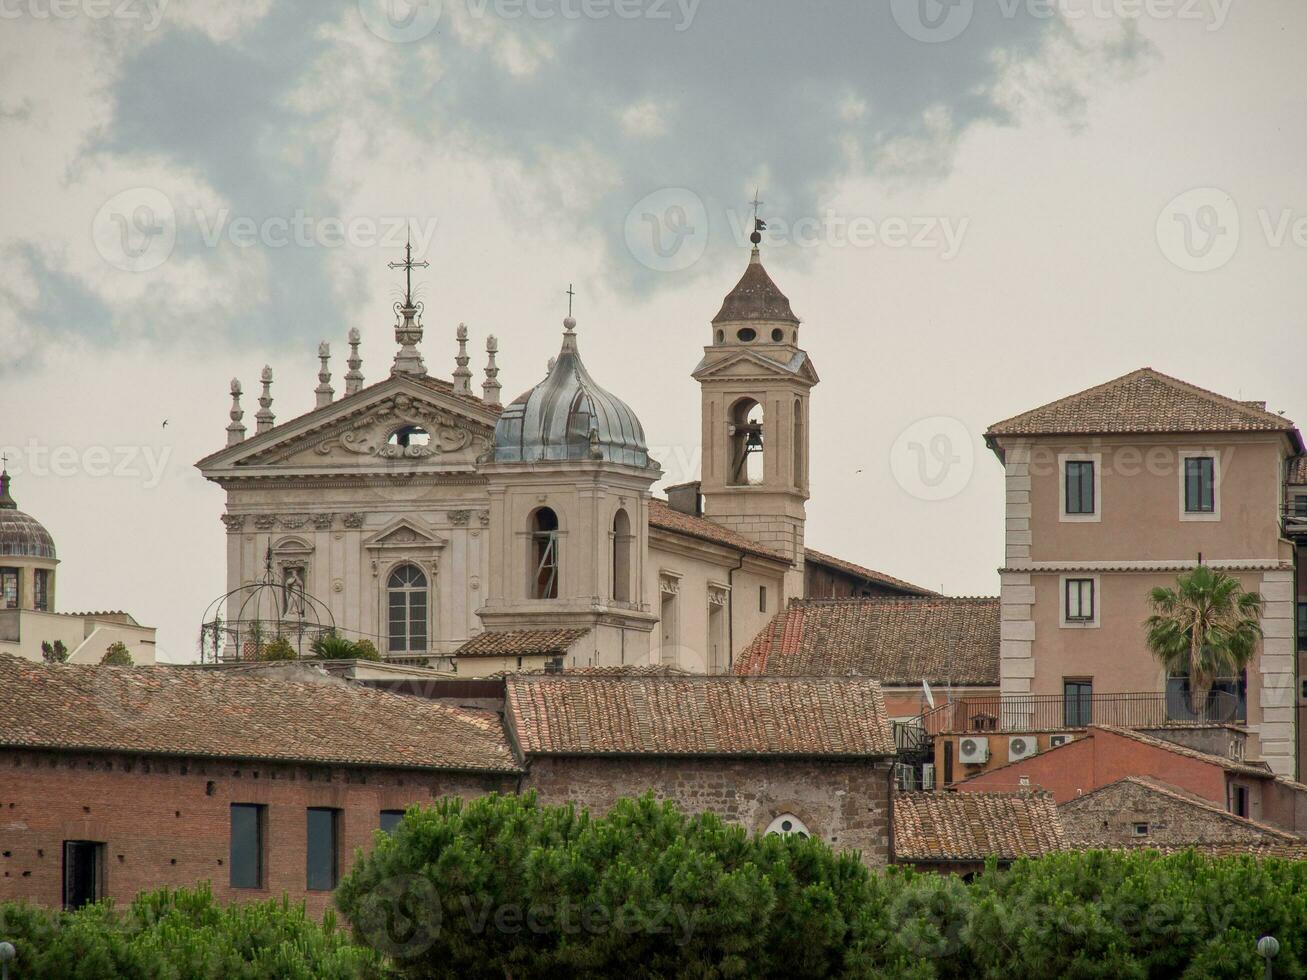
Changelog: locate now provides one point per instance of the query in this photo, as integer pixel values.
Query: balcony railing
(1051, 712)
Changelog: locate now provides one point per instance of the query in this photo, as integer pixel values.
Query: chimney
(685, 498)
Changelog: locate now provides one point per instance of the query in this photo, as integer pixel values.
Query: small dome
(21, 535)
(755, 298)
(569, 417)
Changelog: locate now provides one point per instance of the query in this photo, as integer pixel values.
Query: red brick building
(114, 780)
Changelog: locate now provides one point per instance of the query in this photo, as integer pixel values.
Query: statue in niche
(293, 594)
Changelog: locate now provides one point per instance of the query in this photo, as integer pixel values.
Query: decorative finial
(408, 320)
(491, 387)
(324, 391)
(759, 226)
(354, 376)
(462, 376)
(236, 429)
(264, 418)
(6, 501)
(569, 322)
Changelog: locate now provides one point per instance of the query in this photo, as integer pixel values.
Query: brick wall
(846, 804)
(1108, 817)
(167, 821)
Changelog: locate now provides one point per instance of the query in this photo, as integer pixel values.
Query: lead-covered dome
(21, 535)
(569, 417)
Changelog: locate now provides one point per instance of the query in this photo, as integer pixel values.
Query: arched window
(543, 558)
(410, 436)
(621, 557)
(787, 825)
(406, 594)
(747, 458)
(800, 455)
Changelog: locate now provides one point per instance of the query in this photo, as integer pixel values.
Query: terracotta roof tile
(1298, 471)
(896, 640)
(973, 826)
(1142, 401)
(521, 643)
(663, 517)
(211, 714)
(720, 715)
(859, 571)
(755, 297)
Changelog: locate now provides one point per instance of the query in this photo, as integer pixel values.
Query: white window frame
(1079, 624)
(1095, 458)
(1215, 457)
(797, 826)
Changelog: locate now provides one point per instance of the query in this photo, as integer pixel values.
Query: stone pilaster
(1276, 673)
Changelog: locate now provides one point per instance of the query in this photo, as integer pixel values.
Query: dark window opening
(41, 590)
(247, 830)
(777, 335)
(1080, 486)
(8, 588)
(323, 848)
(1240, 801)
(544, 554)
(948, 763)
(762, 598)
(390, 819)
(83, 873)
(747, 335)
(622, 557)
(1200, 485)
(746, 462)
(1077, 703)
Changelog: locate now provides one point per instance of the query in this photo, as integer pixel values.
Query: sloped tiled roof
(676, 716)
(207, 714)
(897, 641)
(521, 643)
(859, 571)
(1298, 471)
(662, 516)
(1176, 795)
(1142, 401)
(606, 670)
(755, 297)
(974, 826)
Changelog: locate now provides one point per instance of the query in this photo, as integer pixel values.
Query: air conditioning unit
(1055, 740)
(1021, 747)
(928, 775)
(973, 750)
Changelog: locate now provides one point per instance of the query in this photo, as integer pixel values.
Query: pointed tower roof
(755, 298)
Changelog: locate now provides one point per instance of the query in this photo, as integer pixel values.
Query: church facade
(423, 514)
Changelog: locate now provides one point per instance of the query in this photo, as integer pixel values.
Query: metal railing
(1049, 712)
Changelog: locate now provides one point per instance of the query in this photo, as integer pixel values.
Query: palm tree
(1207, 627)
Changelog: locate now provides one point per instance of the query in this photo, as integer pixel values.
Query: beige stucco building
(423, 514)
(28, 593)
(1114, 491)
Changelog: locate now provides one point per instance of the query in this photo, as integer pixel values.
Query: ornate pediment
(404, 533)
(395, 422)
(746, 365)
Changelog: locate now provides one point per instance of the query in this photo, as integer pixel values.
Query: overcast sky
(975, 208)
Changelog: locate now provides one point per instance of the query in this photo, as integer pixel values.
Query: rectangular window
(247, 828)
(83, 873)
(762, 598)
(1079, 600)
(41, 590)
(390, 819)
(323, 848)
(1200, 485)
(1240, 801)
(1300, 505)
(8, 588)
(1077, 703)
(1080, 486)
(1302, 622)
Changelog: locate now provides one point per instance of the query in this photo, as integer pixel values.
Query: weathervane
(759, 225)
(408, 265)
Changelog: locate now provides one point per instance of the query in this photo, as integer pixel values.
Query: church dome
(21, 535)
(755, 298)
(569, 417)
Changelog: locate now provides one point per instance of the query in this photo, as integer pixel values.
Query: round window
(777, 335)
(747, 335)
(787, 825)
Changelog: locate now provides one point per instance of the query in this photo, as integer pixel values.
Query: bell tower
(756, 381)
